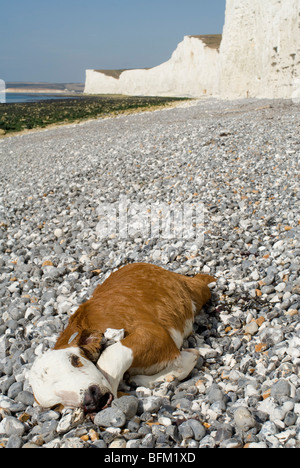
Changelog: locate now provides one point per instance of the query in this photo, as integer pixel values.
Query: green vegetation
(16, 117)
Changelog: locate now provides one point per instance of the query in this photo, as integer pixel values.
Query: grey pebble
(280, 389)
(148, 441)
(251, 328)
(186, 431)
(127, 404)
(224, 432)
(11, 426)
(14, 442)
(290, 418)
(215, 394)
(15, 389)
(26, 398)
(110, 417)
(244, 419)
(197, 428)
(151, 404)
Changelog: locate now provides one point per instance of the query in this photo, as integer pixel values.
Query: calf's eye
(75, 361)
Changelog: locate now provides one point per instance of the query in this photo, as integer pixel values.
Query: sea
(33, 97)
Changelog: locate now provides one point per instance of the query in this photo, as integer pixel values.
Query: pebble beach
(233, 166)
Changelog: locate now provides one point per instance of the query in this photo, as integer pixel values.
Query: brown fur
(146, 301)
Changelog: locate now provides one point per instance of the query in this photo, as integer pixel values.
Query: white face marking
(63, 376)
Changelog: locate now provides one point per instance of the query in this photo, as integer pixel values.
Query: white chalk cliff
(258, 56)
(260, 49)
(191, 71)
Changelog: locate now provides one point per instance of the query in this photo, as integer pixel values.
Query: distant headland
(44, 88)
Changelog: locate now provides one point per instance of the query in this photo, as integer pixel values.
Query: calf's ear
(91, 343)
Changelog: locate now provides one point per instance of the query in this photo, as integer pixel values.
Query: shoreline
(235, 106)
(113, 115)
(111, 108)
(36, 91)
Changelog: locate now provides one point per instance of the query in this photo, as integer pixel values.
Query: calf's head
(68, 375)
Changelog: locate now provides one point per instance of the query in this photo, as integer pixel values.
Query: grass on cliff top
(16, 117)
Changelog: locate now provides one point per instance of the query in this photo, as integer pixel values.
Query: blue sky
(56, 40)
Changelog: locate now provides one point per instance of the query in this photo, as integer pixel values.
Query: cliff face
(191, 71)
(259, 56)
(260, 50)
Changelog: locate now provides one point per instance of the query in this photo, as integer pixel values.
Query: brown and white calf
(156, 310)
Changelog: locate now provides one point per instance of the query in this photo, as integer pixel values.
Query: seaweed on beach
(15, 117)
